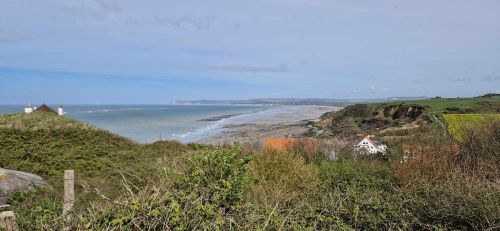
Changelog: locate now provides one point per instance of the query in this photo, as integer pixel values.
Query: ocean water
(148, 123)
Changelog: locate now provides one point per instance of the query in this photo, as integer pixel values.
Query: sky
(158, 51)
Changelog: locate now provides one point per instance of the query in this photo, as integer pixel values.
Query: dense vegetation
(170, 186)
(46, 144)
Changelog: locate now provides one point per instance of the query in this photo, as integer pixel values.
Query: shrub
(480, 149)
(206, 196)
(285, 188)
(360, 193)
(457, 203)
(37, 210)
(453, 186)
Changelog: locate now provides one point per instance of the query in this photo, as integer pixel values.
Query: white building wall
(60, 111)
(28, 109)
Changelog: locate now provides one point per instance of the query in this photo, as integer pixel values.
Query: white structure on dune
(60, 110)
(28, 108)
(44, 108)
(368, 146)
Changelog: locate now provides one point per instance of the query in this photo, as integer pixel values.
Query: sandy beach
(291, 120)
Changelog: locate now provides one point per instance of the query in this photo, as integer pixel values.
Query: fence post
(8, 221)
(69, 195)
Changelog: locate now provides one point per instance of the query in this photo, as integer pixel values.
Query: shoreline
(227, 127)
(217, 118)
(287, 120)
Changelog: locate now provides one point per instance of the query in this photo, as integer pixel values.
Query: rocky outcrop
(13, 181)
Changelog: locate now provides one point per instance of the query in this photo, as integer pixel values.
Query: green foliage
(37, 210)
(205, 196)
(100, 159)
(361, 194)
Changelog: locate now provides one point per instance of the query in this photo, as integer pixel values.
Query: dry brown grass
(480, 151)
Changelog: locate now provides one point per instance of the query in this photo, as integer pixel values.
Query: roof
(287, 144)
(374, 143)
(45, 108)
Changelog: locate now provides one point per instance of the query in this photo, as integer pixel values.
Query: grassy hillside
(375, 117)
(48, 144)
(40, 120)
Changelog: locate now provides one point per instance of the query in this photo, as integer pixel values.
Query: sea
(149, 123)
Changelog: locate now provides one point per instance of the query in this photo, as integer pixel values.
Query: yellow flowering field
(459, 123)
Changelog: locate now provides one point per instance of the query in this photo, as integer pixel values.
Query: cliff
(366, 118)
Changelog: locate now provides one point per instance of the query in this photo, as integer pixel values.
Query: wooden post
(69, 194)
(8, 221)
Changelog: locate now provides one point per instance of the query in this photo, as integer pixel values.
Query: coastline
(286, 120)
(226, 124)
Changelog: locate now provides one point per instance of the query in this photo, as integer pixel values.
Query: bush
(285, 190)
(206, 196)
(453, 186)
(457, 203)
(37, 210)
(361, 194)
(480, 150)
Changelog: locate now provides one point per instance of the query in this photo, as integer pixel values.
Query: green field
(459, 123)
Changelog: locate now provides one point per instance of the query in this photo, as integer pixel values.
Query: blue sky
(157, 51)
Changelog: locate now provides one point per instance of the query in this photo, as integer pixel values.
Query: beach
(276, 122)
(209, 124)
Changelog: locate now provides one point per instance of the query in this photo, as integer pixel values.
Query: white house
(368, 146)
(28, 108)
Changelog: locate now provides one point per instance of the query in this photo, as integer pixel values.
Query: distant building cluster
(43, 108)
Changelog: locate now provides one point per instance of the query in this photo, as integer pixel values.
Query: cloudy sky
(156, 51)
